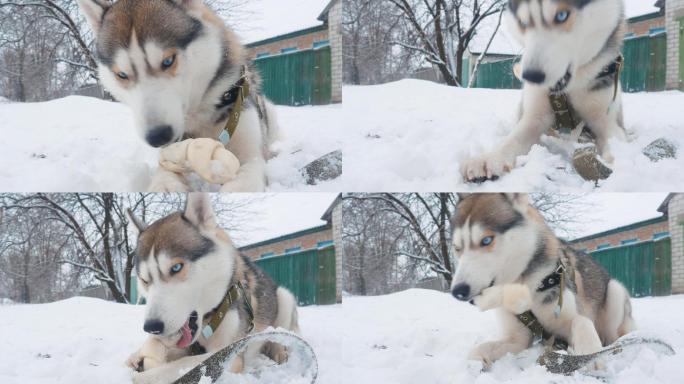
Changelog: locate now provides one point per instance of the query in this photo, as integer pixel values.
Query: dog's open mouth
(188, 331)
(562, 83)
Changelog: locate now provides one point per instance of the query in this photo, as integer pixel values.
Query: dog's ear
(518, 199)
(198, 210)
(189, 4)
(137, 223)
(462, 196)
(93, 11)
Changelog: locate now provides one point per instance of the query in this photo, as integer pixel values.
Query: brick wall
(308, 241)
(676, 218)
(641, 28)
(641, 234)
(335, 32)
(303, 42)
(674, 9)
(339, 248)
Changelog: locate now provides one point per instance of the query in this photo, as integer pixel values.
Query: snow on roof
(277, 17)
(635, 8)
(503, 43)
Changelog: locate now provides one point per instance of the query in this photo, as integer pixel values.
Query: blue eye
(168, 62)
(562, 16)
(487, 241)
(176, 268)
(122, 75)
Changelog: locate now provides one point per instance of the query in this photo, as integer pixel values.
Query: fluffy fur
(210, 265)
(579, 47)
(505, 274)
(179, 98)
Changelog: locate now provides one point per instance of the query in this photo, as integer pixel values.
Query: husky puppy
(571, 48)
(186, 266)
(178, 66)
(506, 254)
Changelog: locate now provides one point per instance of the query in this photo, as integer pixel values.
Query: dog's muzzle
(188, 331)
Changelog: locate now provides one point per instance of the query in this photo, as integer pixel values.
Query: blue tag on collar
(224, 137)
(207, 332)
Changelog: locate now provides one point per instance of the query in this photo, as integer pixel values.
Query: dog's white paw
(490, 298)
(164, 181)
(482, 354)
(487, 167)
(135, 361)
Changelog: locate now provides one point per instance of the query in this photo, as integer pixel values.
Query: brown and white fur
(505, 274)
(170, 102)
(587, 41)
(209, 265)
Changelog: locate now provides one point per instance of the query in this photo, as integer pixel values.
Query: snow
(86, 144)
(411, 135)
(413, 336)
(85, 340)
(421, 336)
(272, 18)
(635, 8)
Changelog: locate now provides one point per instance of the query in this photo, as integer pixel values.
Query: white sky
(276, 17)
(283, 213)
(611, 210)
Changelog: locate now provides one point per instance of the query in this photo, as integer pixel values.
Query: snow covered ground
(415, 336)
(421, 336)
(84, 340)
(87, 144)
(411, 135)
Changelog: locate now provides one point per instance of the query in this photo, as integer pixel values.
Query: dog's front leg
(250, 178)
(584, 338)
(151, 355)
(605, 122)
(168, 373)
(167, 181)
(514, 298)
(536, 118)
(517, 339)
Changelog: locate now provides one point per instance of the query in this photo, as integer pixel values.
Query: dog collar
(235, 293)
(235, 98)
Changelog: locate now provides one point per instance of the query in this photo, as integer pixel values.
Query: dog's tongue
(186, 337)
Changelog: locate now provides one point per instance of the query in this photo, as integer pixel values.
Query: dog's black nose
(154, 326)
(534, 76)
(461, 291)
(159, 136)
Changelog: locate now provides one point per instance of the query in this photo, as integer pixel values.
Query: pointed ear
(93, 11)
(189, 4)
(519, 199)
(462, 196)
(198, 210)
(137, 223)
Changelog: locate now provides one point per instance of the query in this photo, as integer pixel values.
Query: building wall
(641, 234)
(674, 9)
(309, 241)
(642, 28)
(335, 33)
(339, 248)
(676, 221)
(302, 43)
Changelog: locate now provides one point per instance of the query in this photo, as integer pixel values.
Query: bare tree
(444, 30)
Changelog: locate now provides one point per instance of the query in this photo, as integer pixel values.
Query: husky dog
(178, 67)
(571, 48)
(506, 256)
(187, 267)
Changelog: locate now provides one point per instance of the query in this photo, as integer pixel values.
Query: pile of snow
(635, 8)
(421, 336)
(86, 144)
(85, 340)
(411, 135)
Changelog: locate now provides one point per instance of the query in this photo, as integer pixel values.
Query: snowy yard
(416, 336)
(84, 340)
(420, 336)
(86, 144)
(411, 136)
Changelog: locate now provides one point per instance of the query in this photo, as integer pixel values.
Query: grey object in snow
(328, 167)
(556, 362)
(589, 165)
(660, 149)
(299, 352)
